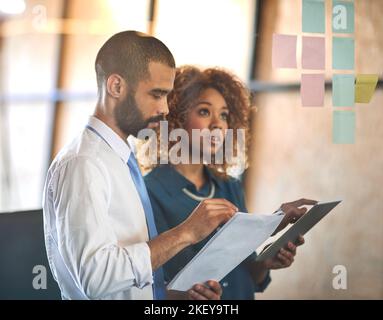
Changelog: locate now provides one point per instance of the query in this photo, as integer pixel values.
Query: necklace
(199, 198)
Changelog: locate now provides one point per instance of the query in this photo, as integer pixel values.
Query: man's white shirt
(94, 222)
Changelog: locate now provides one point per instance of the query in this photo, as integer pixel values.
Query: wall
(293, 156)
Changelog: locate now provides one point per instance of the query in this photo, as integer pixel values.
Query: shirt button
(225, 284)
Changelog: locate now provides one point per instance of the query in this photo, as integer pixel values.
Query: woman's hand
(285, 256)
(293, 212)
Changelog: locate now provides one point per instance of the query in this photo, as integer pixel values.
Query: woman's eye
(224, 116)
(203, 112)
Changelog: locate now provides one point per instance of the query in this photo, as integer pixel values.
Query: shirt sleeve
(160, 202)
(86, 240)
(158, 212)
(161, 222)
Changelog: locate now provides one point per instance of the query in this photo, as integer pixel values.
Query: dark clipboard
(303, 225)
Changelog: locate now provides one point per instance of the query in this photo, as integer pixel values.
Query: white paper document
(233, 243)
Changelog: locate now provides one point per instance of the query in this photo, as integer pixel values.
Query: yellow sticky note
(365, 87)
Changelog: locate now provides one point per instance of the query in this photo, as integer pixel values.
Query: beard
(129, 117)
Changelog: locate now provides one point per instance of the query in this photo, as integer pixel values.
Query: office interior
(48, 91)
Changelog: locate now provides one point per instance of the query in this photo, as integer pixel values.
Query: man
(100, 235)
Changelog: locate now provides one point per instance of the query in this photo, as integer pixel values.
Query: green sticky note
(343, 127)
(313, 16)
(365, 87)
(343, 53)
(343, 17)
(343, 90)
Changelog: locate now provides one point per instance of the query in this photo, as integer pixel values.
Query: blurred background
(48, 90)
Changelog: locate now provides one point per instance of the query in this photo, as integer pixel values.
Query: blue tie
(159, 286)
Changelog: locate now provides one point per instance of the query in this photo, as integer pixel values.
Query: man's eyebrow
(158, 91)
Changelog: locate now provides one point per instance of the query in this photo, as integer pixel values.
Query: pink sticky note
(284, 51)
(313, 53)
(312, 90)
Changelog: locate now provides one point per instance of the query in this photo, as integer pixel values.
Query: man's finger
(215, 206)
(195, 295)
(215, 286)
(223, 215)
(204, 291)
(221, 202)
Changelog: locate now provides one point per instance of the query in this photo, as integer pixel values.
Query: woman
(212, 99)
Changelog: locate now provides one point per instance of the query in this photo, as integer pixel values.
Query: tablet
(303, 225)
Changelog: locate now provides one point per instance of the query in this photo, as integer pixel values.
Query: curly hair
(190, 82)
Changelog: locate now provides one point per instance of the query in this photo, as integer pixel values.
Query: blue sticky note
(343, 56)
(313, 16)
(343, 17)
(343, 129)
(343, 90)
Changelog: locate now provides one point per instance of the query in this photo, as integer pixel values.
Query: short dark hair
(128, 54)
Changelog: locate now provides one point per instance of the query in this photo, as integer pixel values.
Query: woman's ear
(115, 86)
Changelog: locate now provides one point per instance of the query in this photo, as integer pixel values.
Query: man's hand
(212, 291)
(293, 212)
(206, 217)
(285, 256)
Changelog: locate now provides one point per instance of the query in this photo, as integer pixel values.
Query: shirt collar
(120, 146)
(174, 181)
(170, 177)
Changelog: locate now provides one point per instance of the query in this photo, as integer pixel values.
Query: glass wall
(293, 156)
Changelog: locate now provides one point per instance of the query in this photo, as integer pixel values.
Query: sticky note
(343, 17)
(313, 53)
(343, 90)
(313, 16)
(312, 90)
(365, 87)
(343, 53)
(343, 127)
(284, 51)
